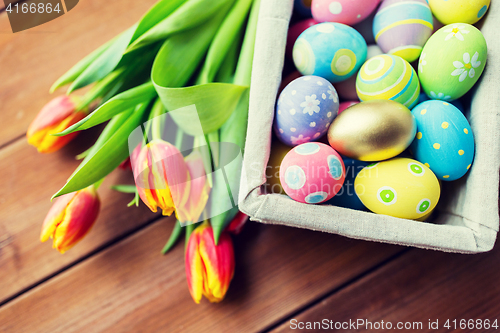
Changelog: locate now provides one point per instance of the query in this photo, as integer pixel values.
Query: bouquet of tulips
(173, 90)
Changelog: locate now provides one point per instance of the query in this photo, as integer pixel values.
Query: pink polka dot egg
(312, 173)
(342, 11)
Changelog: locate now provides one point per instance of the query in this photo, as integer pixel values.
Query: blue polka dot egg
(333, 51)
(305, 110)
(444, 141)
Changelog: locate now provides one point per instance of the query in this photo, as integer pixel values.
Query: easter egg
(423, 98)
(452, 61)
(459, 11)
(342, 11)
(444, 141)
(312, 173)
(303, 7)
(401, 27)
(347, 197)
(347, 88)
(344, 105)
(294, 33)
(400, 187)
(372, 131)
(388, 77)
(305, 110)
(333, 51)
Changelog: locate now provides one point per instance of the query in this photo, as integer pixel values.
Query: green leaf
(189, 15)
(225, 37)
(101, 88)
(174, 237)
(77, 69)
(227, 69)
(105, 62)
(214, 103)
(125, 188)
(155, 15)
(177, 59)
(235, 129)
(114, 106)
(106, 157)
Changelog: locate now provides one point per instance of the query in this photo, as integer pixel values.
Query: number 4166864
(471, 324)
(33, 8)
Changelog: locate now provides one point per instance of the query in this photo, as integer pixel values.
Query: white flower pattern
(310, 105)
(440, 96)
(457, 31)
(332, 94)
(300, 139)
(422, 62)
(467, 67)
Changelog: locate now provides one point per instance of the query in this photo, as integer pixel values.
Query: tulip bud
(237, 223)
(55, 117)
(161, 176)
(70, 218)
(209, 267)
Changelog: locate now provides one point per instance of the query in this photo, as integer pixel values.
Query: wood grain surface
(417, 287)
(131, 287)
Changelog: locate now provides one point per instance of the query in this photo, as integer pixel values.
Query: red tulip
(209, 267)
(55, 117)
(237, 224)
(70, 218)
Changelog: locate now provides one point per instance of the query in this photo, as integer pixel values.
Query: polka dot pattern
(312, 173)
(445, 142)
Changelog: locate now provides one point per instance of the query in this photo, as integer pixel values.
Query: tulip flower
(161, 176)
(209, 267)
(55, 117)
(237, 223)
(70, 218)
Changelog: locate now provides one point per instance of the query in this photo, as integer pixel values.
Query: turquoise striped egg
(444, 141)
(388, 77)
(401, 27)
(333, 51)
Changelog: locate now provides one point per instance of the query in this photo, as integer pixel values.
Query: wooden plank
(31, 60)
(28, 181)
(131, 287)
(418, 286)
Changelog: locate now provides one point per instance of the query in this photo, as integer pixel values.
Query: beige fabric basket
(467, 216)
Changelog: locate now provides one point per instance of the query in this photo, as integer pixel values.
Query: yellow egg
(400, 187)
(278, 152)
(459, 11)
(373, 130)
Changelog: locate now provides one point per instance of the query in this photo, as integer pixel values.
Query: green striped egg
(452, 61)
(388, 77)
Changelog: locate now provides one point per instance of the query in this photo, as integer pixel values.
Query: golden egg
(374, 130)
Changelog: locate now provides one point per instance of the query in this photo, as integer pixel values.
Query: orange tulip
(165, 180)
(70, 218)
(209, 267)
(55, 117)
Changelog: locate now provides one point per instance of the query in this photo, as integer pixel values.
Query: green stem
(98, 183)
(157, 120)
(179, 138)
(174, 237)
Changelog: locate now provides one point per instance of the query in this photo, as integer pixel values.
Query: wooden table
(116, 279)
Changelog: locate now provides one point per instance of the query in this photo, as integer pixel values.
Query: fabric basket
(467, 218)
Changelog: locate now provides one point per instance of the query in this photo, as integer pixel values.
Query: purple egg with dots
(312, 173)
(305, 109)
